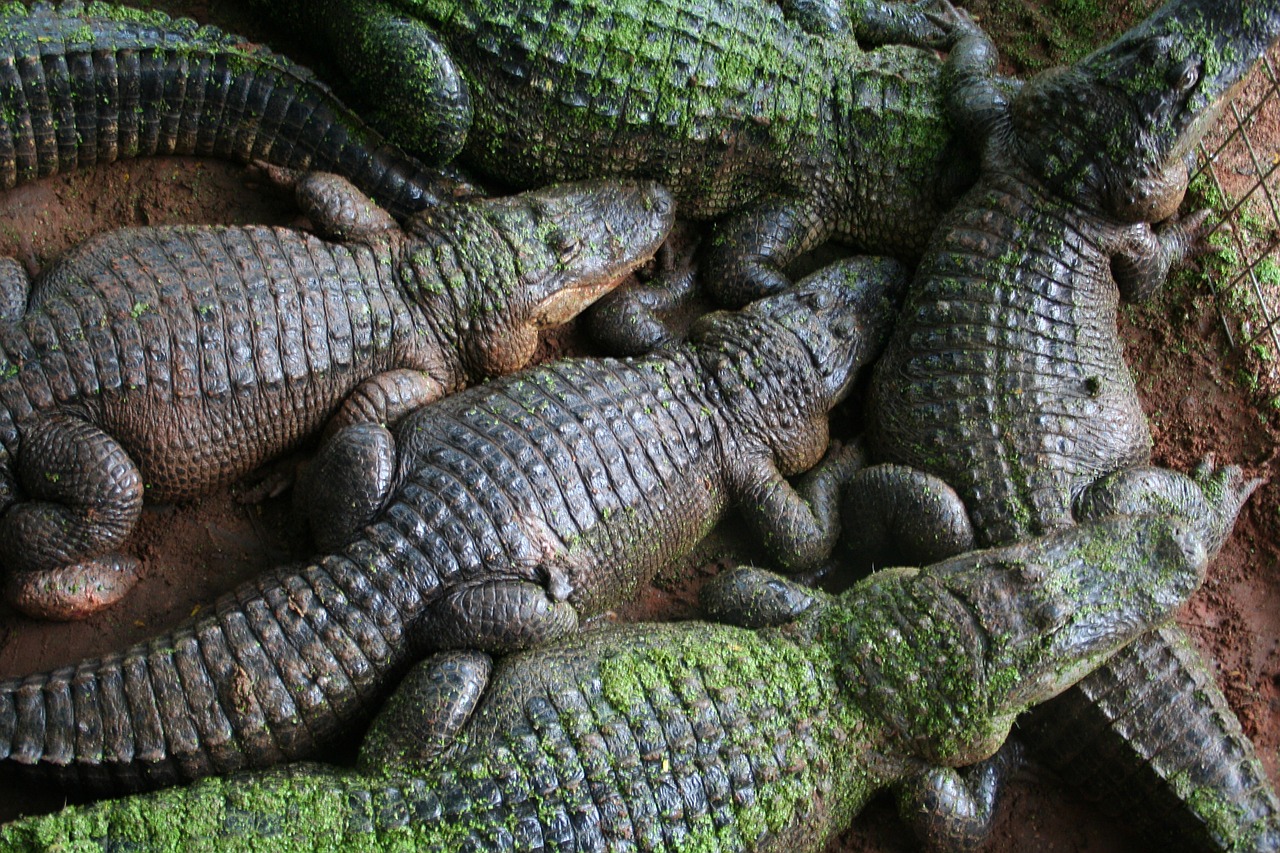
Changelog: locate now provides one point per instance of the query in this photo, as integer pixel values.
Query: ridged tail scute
(81, 87)
(278, 666)
(999, 630)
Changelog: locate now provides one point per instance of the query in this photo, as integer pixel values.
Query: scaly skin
(1005, 379)
(82, 86)
(179, 359)
(695, 736)
(514, 512)
(792, 130)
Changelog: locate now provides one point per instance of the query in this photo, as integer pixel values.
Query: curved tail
(276, 667)
(84, 87)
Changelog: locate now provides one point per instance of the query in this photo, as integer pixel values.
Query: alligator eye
(817, 300)
(564, 242)
(1184, 76)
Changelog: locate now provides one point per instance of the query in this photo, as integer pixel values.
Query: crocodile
(160, 363)
(514, 510)
(1003, 394)
(770, 119)
(697, 735)
(90, 85)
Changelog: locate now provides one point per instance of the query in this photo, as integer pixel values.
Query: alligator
(1004, 394)
(82, 86)
(698, 735)
(772, 120)
(515, 510)
(164, 362)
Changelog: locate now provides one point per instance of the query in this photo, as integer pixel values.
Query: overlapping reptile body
(517, 507)
(693, 736)
(174, 360)
(1005, 377)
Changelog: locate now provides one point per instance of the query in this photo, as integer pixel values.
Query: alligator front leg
(798, 525)
(949, 809)
(748, 253)
(756, 598)
(81, 497)
(1146, 254)
(422, 718)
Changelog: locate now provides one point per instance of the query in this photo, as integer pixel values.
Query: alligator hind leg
(798, 525)
(501, 616)
(15, 287)
(83, 496)
(423, 717)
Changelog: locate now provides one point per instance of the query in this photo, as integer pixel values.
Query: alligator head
(840, 316)
(513, 266)
(947, 656)
(1117, 130)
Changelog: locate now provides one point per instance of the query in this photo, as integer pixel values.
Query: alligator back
(723, 101)
(683, 93)
(1010, 384)
(204, 351)
(599, 472)
(83, 87)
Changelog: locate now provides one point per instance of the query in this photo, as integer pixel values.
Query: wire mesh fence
(1239, 173)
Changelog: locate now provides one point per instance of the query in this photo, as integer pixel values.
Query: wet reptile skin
(82, 86)
(695, 736)
(1005, 379)
(512, 514)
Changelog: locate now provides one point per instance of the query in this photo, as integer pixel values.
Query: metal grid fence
(1239, 172)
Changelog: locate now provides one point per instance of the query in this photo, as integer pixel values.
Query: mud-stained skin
(511, 514)
(770, 118)
(86, 85)
(160, 363)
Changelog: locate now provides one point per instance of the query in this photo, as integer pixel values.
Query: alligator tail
(80, 88)
(278, 666)
(1150, 729)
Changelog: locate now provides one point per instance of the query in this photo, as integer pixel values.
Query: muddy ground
(1188, 374)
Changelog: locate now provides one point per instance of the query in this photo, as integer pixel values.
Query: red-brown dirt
(1187, 375)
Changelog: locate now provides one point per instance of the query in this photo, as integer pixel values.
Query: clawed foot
(950, 23)
(280, 177)
(1225, 490)
(268, 482)
(73, 592)
(1188, 236)
(627, 321)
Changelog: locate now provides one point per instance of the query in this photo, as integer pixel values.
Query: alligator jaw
(610, 229)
